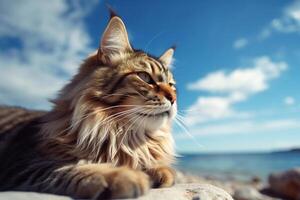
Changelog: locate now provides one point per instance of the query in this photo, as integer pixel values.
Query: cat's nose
(168, 92)
(171, 98)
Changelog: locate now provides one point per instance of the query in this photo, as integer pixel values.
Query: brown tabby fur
(108, 134)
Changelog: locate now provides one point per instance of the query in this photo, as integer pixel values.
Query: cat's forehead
(150, 62)
(155, 67)
(141, 61)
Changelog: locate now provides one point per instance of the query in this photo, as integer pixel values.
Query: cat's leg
(162, 176)
(98, 181)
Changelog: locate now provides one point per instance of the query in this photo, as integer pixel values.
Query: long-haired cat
(108, 134)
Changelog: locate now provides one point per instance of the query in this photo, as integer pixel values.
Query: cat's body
(108, 134)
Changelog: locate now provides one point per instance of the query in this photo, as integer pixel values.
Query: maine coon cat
(108, 133)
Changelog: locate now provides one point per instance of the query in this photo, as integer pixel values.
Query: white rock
(30, 196)
(249, 193)
(194, 191)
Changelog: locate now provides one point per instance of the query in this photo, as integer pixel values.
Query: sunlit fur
(108, 131)
(83, 121)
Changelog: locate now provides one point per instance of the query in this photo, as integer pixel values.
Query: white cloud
(240, 43)
(293, 11)
(209, 108)
(289, 22)
(289, 101)
(232, 87)
(246, 127)
(241, 80)
(214, 108)
(50, 42)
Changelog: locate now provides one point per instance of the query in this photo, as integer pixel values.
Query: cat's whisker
(134, 109)
(152, 39)
(115, 117)
(75, 124)
(116, 94)
(123, 113)
(125, 134)
(134, 119)
(96, 111)
(179, 123)
(132, 112)
(112, 119)
(181, 117)
(181, 114)
(188, 110)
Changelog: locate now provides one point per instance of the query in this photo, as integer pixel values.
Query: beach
(247, 176)
(238, 166)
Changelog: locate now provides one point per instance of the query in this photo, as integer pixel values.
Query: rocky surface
(192, 191)
(281, 186)
(250, 193)
(254, 189)
(30, 196)
(286, 184)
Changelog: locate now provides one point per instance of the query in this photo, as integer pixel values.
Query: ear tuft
(173, 47)
(167, 57)
(112, 12)
(115, 38)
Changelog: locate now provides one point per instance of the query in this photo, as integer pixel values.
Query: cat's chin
(152, 122)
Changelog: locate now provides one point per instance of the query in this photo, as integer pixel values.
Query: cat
(108, 134)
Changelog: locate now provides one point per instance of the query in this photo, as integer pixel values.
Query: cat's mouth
(161, 114)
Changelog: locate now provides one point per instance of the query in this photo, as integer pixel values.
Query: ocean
(238, 166)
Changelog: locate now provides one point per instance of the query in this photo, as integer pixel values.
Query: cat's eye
(172, 84)
(145, 77)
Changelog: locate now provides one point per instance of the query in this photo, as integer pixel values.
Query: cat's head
(129, 85)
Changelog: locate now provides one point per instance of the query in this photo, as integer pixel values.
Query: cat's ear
(115, 38)
(167, 57)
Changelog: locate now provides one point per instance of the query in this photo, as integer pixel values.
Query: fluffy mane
(79, 127)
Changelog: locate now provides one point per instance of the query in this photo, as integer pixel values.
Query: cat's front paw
(105, 182)
(125, 183)
(89, 186)
(162, 176)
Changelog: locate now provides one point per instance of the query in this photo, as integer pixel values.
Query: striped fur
(108, 134)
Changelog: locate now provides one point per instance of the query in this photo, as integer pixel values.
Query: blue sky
(237, 64)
